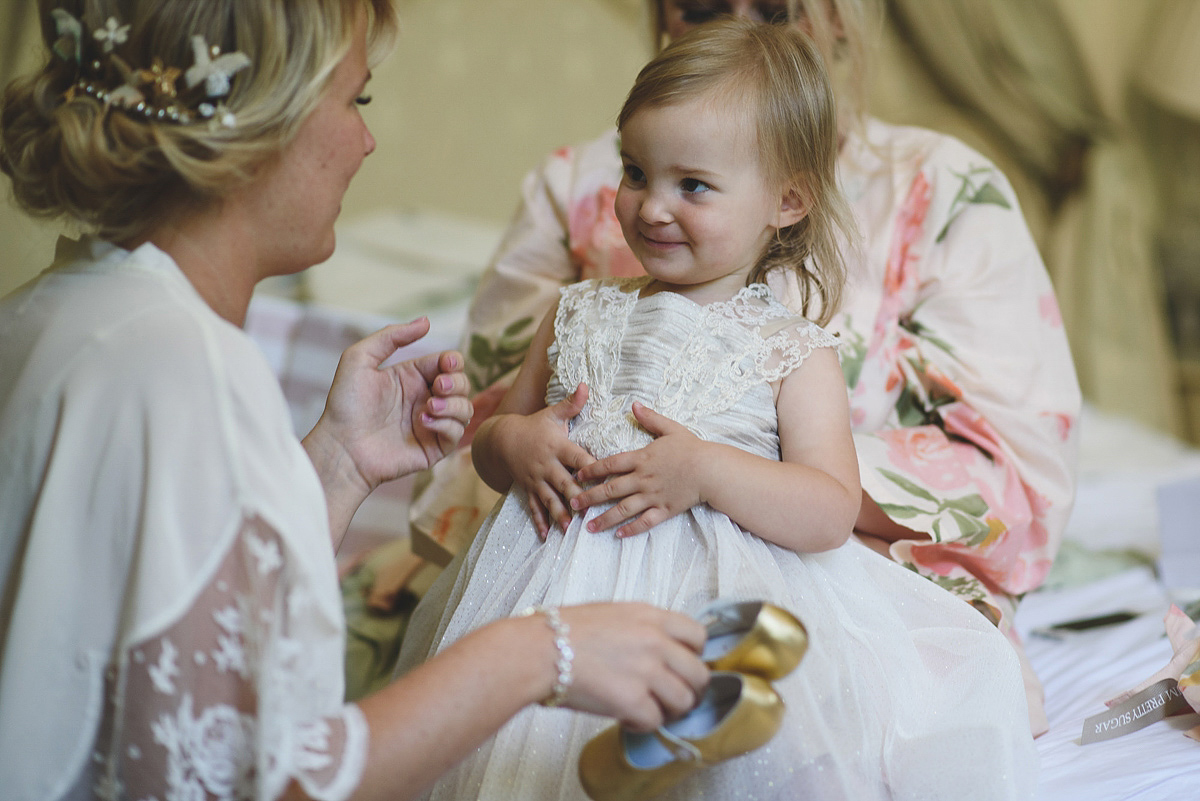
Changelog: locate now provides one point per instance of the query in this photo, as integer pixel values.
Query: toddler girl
(690, 437)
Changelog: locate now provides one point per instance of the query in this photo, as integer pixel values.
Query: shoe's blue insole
(718, 645)
(646, 751)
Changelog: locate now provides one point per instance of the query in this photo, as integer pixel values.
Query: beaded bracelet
(566, 654)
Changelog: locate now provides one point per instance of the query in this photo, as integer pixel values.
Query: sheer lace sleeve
(228, 703)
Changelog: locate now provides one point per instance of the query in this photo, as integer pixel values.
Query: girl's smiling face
(694, 204)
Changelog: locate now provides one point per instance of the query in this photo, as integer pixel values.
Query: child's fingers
(598, 470)
(628, 508)
(575, 457)
(566, 486)
(614, 489)
(654, 422)
(570, 406)
(644, 522)
(538, 513)
(555, 510)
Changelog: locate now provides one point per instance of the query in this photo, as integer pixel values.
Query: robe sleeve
(979, 448)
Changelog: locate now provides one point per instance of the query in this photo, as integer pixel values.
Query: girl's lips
(660, 244)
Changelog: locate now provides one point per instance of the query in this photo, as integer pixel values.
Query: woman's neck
(208, 247)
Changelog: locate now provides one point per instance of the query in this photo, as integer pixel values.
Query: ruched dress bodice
(710, 368)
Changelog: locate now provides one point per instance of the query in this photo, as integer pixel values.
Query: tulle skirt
(906, 692)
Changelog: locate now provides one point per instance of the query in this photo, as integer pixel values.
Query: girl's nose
(654, 209)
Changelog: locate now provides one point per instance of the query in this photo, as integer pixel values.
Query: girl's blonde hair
(73, 155)
(775, 74)
(844, 32)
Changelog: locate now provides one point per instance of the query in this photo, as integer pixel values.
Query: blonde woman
(962, 389)
(170, 624)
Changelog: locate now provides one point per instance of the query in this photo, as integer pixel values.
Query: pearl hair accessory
(153, 92)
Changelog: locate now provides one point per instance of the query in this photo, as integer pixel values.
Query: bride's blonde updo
(75, 148)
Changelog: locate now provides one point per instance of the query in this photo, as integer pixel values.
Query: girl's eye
(699, 13)
(634, 174)
(698, 16)
(363, 100)
(693, 186)
(775, 13)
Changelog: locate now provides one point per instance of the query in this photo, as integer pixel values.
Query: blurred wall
(478, 91)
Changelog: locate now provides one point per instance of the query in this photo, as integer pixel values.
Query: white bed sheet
(1122, 464)
(1081, 670)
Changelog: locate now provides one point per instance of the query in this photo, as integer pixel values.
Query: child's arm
(526, 441)
(806, 502)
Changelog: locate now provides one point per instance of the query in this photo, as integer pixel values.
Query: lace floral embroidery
(209, 754)
(725, 350)
(232, 702)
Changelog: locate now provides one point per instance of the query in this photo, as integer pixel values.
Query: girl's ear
(793, 207)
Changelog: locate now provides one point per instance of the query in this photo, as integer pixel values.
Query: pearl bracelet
(566, 654)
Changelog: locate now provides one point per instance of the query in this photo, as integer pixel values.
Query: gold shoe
(753, 637)
(736, 714)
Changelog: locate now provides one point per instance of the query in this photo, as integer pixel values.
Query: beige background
(479, 90)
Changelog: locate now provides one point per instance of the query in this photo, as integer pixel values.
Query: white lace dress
(906, 692)
(170, 626)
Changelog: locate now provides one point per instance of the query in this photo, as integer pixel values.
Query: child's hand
(540, 457)
(651, 484)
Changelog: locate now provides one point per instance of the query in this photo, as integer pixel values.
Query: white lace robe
(170, 626)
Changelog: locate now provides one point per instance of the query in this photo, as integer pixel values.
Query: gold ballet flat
(736, 714)
(753, 637)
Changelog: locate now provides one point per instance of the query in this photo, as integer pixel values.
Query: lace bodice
(710, 367)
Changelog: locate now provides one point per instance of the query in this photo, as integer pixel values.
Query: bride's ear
(793, 207)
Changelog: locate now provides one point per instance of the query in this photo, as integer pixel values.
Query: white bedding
(1081, 670)
(1122, 465)
(400, 265)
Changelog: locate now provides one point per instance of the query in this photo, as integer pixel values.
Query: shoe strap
(681, 748)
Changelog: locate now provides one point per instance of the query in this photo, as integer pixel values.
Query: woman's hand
(634, 662)
(651, 484)
(381, 423)
(538, 455)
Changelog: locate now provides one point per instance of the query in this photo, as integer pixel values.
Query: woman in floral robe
(962, 387)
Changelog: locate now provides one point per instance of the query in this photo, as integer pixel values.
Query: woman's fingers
(456, 408)
(379, 346)
(447, 384)
(635, 662)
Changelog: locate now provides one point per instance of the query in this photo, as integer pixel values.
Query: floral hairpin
(153, 92)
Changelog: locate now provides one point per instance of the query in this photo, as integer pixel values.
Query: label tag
(1149, 706)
